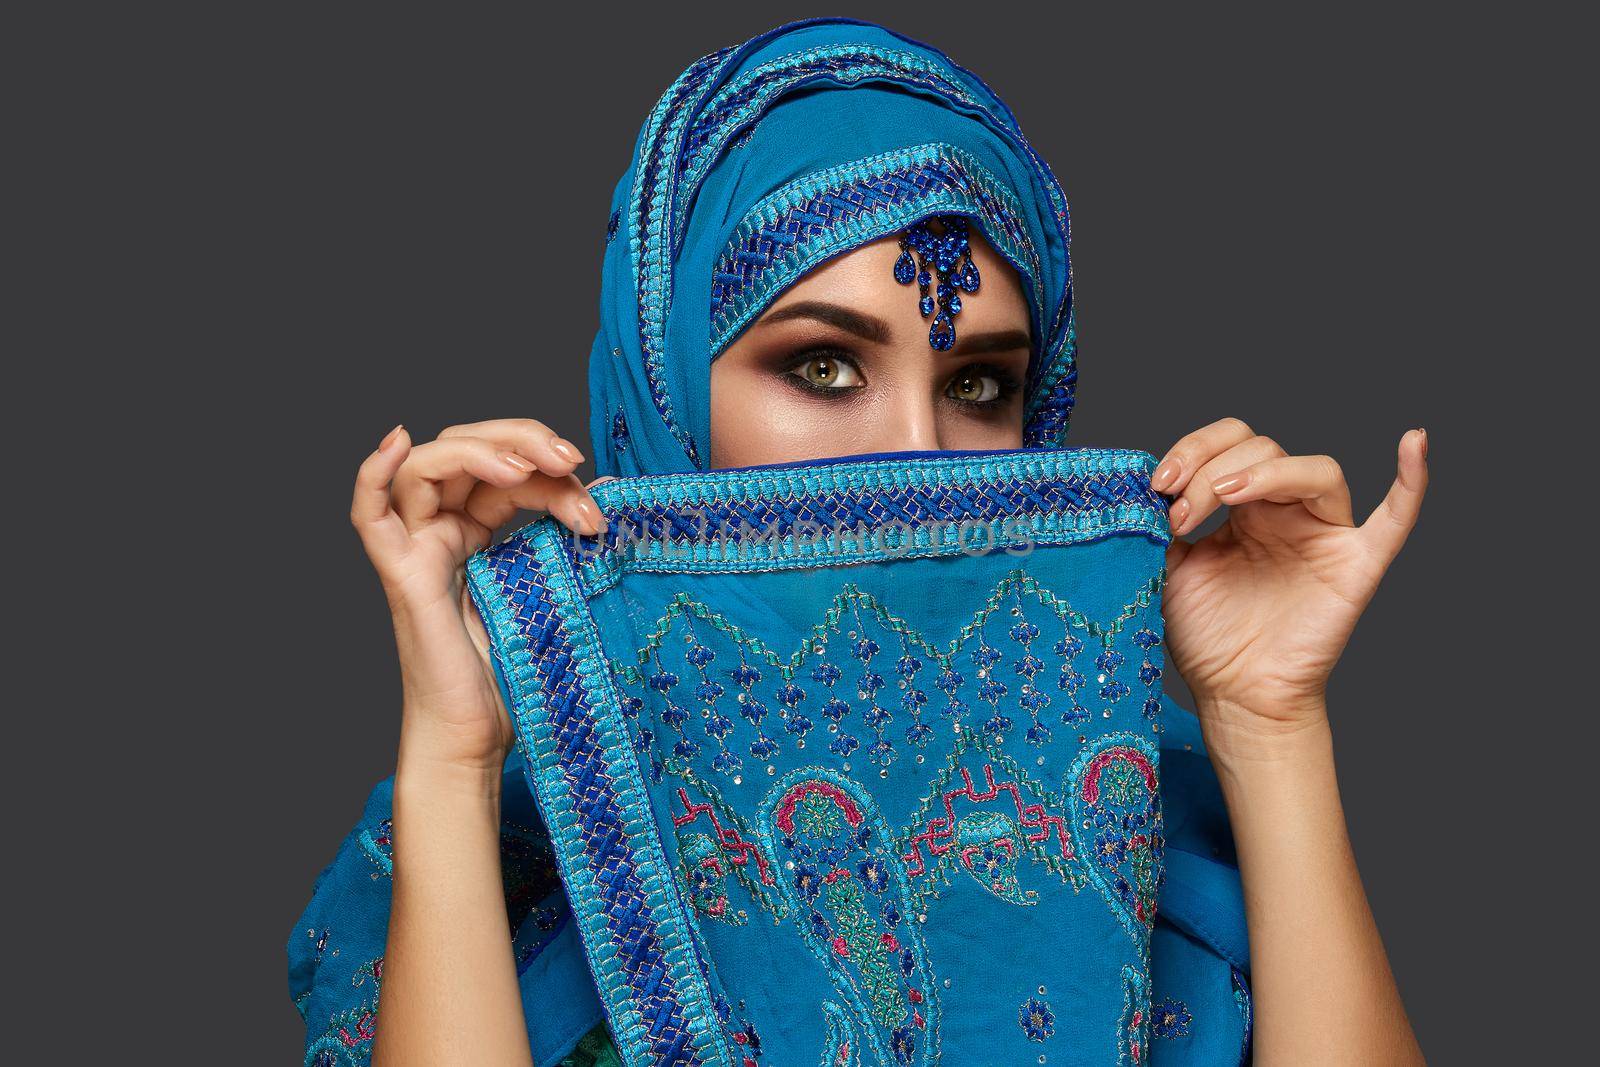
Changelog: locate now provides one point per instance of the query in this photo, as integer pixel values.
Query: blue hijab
(750, 172)
(758, 163)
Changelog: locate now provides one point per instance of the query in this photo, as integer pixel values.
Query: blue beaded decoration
(945, 252)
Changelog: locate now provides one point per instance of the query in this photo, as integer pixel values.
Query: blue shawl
(1004, 841)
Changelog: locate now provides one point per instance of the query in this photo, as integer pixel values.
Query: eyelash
(801, 358)
(1004, 379)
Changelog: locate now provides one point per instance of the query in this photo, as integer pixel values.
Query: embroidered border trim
(819, 215)
(1048, 411)
(776, 518)
(583, 772)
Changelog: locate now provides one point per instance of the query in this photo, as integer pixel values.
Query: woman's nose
(915, 425)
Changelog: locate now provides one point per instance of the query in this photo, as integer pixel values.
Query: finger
(382, 532)
(1194, 450)
(419, 485)
(1198, 499)
(550, 453)
(565, 499)
(1391, 522)
(1318, 482)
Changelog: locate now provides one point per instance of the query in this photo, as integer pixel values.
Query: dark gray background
(250, 242)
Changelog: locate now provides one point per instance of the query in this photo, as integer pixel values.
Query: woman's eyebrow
(992, 341)
(848, 319)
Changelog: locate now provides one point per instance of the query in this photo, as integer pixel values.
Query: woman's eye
(826, 372)
(974, 388)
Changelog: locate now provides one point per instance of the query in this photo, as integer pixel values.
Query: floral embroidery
(1134, 1036)
(1037, 1020)
(698, 677)
(1170, 1019)
(1117, 824)
(1027, 821)
(726, 849)
(746, 1041)
(347, 1042)
(841, 879)
(703, 878)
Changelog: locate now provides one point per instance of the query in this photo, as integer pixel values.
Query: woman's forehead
(863, 278)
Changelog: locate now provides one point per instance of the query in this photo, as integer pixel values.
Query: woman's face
(840, 365)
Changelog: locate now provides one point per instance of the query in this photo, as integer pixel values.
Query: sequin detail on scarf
(859, 787)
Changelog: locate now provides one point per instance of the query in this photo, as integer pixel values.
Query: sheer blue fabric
(697, 713)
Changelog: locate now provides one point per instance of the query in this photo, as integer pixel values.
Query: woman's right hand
(421, 512)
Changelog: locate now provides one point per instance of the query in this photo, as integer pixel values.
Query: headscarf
(764, 159)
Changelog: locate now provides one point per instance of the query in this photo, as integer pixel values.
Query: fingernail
(1164, 474)
(1180, 512)
(514, 460)
(1230, 483)
(565, 450)
(389, 438)
(1423, 430)
(591, 516)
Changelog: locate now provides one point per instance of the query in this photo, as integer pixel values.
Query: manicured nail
(389, 438)
(565, 450)
(1180, 513)
(1230, 483)
(1164, 474)
(1423, 430)
(514, 460)
(591, 516)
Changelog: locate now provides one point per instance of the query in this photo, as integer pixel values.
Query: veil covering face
(763, 160)
(760, 162)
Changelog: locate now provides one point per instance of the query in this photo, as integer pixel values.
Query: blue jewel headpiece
(945, 251)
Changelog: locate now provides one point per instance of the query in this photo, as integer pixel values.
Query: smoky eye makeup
(983, 386)
(821, 370)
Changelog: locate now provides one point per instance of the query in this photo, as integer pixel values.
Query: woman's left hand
(1258, 612)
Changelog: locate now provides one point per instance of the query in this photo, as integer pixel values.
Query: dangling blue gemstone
(968, 278)
(945, 252)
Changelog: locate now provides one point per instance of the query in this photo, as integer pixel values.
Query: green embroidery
(1047, 853)
(865, 947)
(851, 598)
(818, 816)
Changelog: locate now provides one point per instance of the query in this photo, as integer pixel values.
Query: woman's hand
(420, 513)
(1258, 612)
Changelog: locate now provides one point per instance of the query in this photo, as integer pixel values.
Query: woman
(885, 263)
